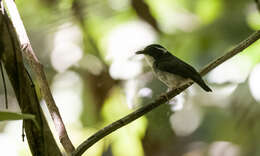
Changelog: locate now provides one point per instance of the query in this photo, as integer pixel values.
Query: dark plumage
(169, 68)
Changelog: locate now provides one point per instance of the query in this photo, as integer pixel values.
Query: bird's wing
(172, 64)
(178, 67)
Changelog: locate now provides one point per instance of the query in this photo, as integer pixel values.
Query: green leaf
(17, 116)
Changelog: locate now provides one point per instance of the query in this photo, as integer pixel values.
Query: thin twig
(140, 112)
(37, 67)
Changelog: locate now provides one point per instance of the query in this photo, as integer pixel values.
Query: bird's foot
(164, 95)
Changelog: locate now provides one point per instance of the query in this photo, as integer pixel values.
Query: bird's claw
(164, 95)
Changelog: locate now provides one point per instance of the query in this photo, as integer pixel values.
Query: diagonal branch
(37, 67)
(40, 141)
(141, 111)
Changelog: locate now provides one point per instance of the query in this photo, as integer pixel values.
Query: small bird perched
(170, 69)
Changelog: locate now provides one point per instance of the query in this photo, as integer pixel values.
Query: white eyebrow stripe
(162, 49)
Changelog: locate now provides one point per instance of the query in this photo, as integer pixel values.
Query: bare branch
(140, 112)
(40, 141)
(239, 48)
(40, 75)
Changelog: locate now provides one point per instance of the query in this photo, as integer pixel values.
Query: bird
(169, 69)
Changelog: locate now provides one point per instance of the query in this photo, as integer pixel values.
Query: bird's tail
(203, 85)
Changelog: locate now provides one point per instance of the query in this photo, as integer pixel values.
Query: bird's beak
(140, 52)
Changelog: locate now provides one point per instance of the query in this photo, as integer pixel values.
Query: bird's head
(154, 50)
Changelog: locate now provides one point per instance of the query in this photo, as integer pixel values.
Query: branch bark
(37, 68)
(142, 111)
(40, 140)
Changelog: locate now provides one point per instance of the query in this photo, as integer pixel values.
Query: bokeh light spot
(67, 50)
(186, 121)
(254, 82)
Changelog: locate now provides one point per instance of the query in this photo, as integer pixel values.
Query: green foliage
(209, 10)
(125, 141)
(6, 116)
(197, 31)
(253, 19)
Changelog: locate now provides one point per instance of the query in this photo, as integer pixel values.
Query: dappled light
(13, 146)
(186, 121)
(254, 82)
(122, 43)
(253, 17)
(223, 148)
(66, 51)
(173, 16)
(67, 91)
(235, 70)
(88, 52)
(178, 102)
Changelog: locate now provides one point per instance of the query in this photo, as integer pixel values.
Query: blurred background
(88, 51)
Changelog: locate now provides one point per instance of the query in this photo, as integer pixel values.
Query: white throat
(150, 60)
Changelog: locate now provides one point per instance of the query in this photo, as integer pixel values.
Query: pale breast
(169, 79)
(150, 60)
